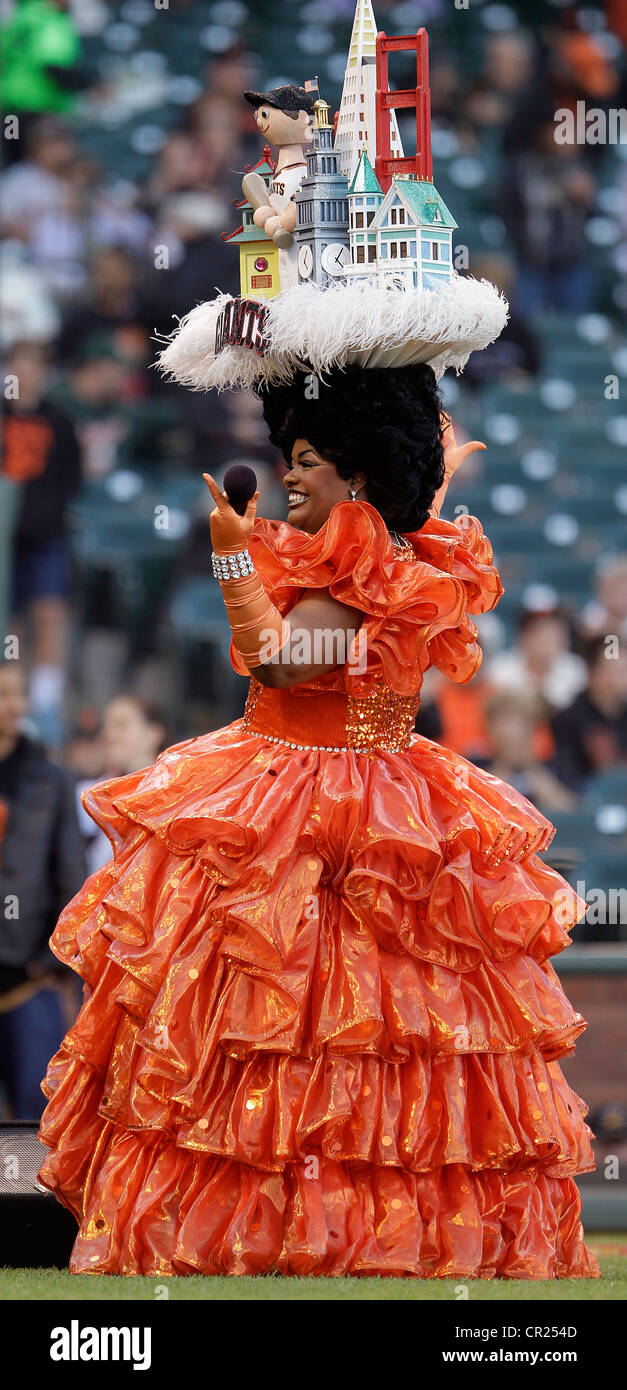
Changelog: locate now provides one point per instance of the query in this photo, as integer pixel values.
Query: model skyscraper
(357, 118)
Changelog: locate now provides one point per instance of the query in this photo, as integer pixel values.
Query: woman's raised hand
(454, 453)
(229, 530)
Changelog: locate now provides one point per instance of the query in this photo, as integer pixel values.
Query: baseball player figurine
(283, 116)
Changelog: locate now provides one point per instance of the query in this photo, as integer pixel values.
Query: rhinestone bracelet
(235, 566)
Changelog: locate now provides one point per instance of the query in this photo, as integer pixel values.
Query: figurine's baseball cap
(288, 98)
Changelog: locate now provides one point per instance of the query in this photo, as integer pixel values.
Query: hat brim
(259, 98)
(306, 102)
(365, 323)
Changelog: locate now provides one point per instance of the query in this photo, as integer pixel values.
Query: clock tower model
(321, 231)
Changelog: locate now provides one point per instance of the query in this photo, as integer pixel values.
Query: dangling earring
(353, 494)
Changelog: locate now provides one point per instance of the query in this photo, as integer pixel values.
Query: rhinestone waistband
(381, 720)
(322, 747)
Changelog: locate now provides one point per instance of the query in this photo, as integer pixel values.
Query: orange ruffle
(322, 1028)
(416, 615)
(158, 1209)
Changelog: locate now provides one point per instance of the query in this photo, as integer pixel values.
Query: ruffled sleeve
(460, 548)
(415, 614)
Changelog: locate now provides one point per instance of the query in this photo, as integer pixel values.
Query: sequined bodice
(331, 720)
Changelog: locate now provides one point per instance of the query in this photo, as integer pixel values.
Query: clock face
(305, 262)
(335, 257)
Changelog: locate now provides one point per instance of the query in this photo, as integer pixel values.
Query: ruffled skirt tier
(321, 1030)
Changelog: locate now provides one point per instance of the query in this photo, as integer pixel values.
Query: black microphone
(239, 485)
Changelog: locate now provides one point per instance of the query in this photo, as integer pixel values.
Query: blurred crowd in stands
(126, 136)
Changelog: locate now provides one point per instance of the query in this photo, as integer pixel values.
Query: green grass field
(44, 1284)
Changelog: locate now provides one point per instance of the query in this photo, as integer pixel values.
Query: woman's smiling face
(313, 486)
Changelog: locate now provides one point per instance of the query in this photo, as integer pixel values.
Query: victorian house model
(405, 233)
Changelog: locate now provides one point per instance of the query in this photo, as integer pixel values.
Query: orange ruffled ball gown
(321, 1030)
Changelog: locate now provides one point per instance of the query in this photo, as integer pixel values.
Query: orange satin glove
(259, 630)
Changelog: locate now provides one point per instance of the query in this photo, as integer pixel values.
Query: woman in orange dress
(321, 1028)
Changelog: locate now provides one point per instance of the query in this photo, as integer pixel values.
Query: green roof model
(249, 231)
(424, 201)
(365, 179)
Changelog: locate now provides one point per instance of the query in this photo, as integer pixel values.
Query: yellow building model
(258, 256)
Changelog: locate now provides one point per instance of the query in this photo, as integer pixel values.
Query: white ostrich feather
(362, 322)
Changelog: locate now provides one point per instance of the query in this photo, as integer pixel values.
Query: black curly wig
(383, 422)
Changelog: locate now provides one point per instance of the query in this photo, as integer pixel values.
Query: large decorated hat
(365, 274)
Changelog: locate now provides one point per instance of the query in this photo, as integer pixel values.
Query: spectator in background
(204, 156)
(117, 218)
(541, 663)
(583, 66)
(83, 754)
(95, 399)
(231, 73)
(617, 19)
(27, 307)
(570, 65)
(591, 734)
(547, 196)
(41, 454)
(111, 305)
(190, 226)
(507, 70)
(446, 90)
(515, 355)
(512, 720)
(215, 125)
(44, 203)
(42, 866)
(36, 187)
(607, 611)
(456, 720)
(133, 734)
(246, 433)
(182, 167)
